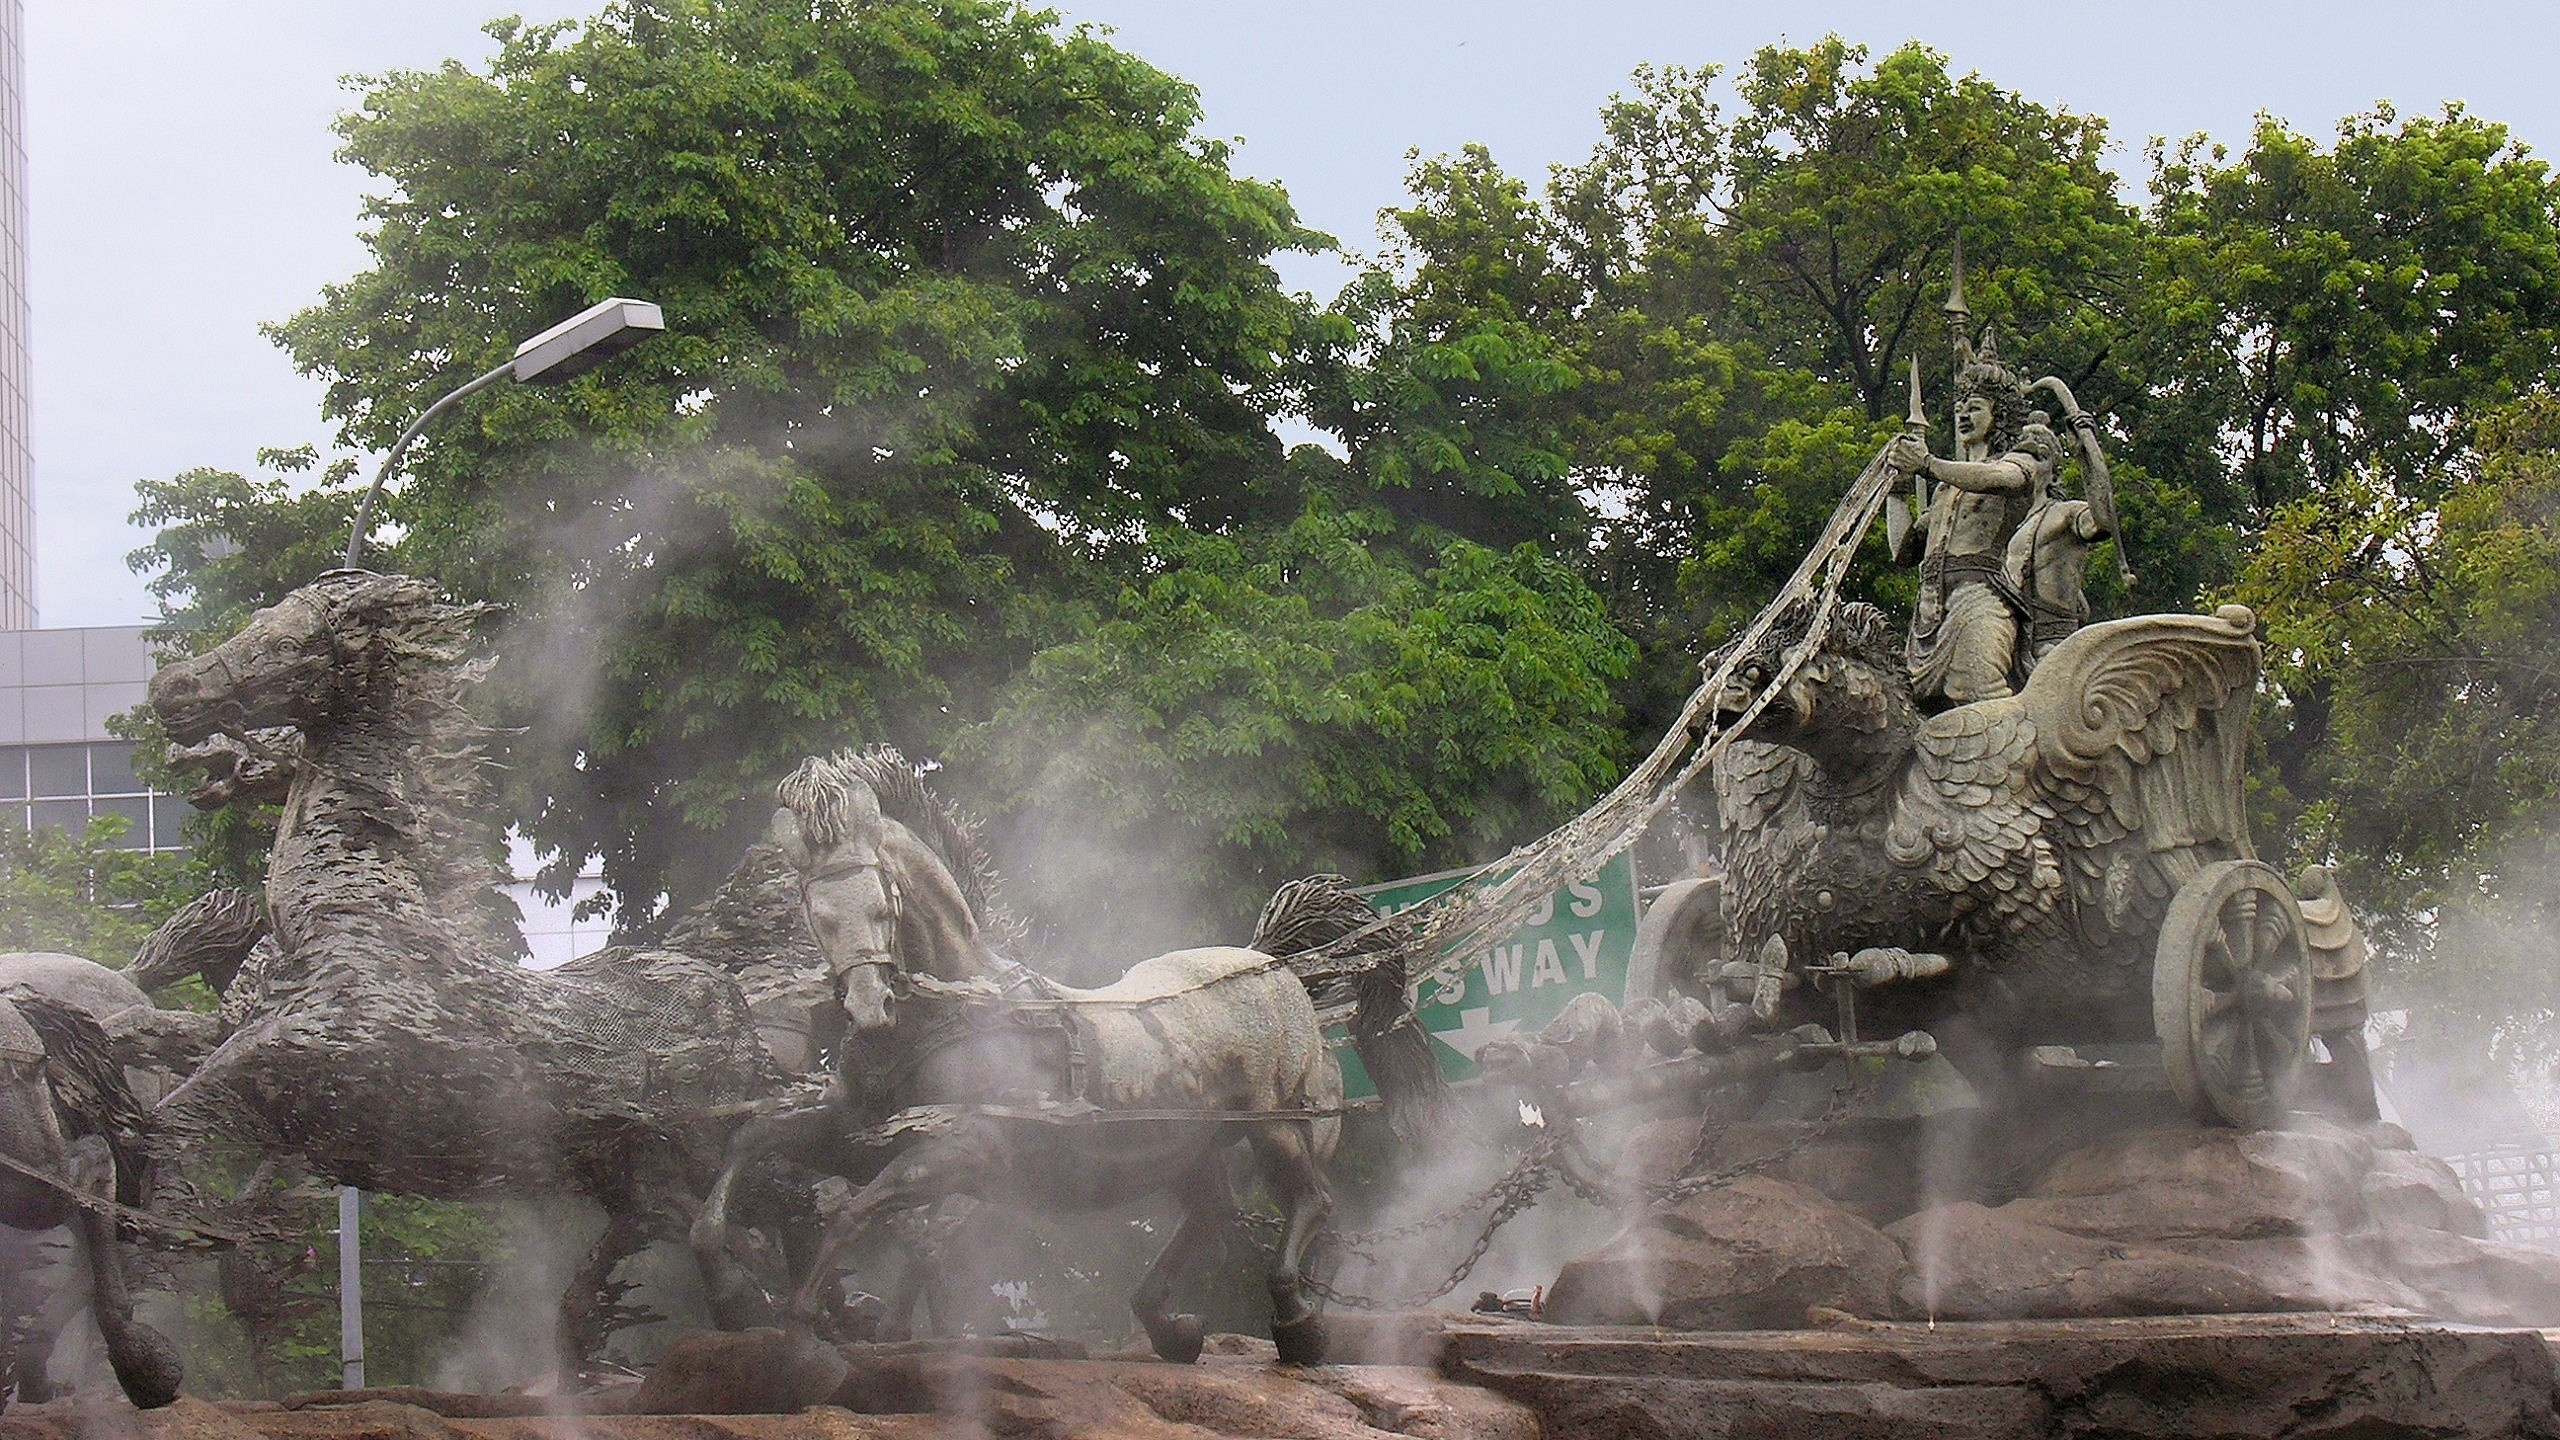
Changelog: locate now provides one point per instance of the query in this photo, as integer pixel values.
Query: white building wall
(17, 465)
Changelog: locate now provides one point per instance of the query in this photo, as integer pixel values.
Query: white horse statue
(1049, 1097)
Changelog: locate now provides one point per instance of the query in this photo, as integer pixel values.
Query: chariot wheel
(2231, 994)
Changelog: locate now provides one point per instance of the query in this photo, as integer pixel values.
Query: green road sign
(1577, 941)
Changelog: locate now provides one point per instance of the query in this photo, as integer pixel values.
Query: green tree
(958, 305)
(2322, 331)
(2313, 313)
(1445, 371)
(2430, 629)
(85, 894)
(1674, 359)
(1310, 703)
(2431, 625)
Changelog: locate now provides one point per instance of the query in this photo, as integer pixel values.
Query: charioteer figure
(2047, 566)
(1964, 630)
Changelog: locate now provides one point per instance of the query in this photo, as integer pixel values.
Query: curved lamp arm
(391, 462)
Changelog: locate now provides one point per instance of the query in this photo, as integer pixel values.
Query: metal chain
(1552, 1159)
(1510, 1195)
(1607, 1187)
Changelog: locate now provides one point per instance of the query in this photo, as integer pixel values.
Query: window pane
(71, 815)
(137, 814)
(13, 772)
(168, 814)
(111, 769)
(59, 769)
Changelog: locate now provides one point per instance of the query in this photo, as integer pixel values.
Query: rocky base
(2160, 1220)
(2272, 1377)
(902, 1396)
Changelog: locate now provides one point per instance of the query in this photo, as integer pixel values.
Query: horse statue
(70, 1132)
(1029, 1093)
(391, 1037)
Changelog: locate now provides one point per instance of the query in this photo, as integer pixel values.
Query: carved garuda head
(1855, 687)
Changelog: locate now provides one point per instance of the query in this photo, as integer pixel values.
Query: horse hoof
(1300, 1341)
(1179, 1339)
(146, 1365)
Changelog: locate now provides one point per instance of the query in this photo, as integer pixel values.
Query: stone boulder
(2186, 1219)
(742, 1372)
(1757, 1253)
(2280, 1377)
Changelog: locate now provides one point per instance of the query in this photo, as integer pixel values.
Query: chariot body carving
(2011, 869)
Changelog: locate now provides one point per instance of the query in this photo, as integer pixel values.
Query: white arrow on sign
(1476, 1029)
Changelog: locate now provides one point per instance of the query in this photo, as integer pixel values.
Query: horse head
(1848, 705)
(350, 641)
(834, 835)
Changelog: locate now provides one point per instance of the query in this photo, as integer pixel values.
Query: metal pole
(351, 1285)
(364, 507)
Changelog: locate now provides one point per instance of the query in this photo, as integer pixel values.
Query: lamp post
(572, 347)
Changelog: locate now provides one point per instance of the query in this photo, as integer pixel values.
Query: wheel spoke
(2271, 940)
(2250, 1068)
(2266, 1033)
(2245, 906)
(2217, 970)
(2213, 1067)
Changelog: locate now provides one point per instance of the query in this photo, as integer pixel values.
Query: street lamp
(572, 347)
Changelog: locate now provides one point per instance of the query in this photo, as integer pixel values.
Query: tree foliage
(1683, 347)
(2315, 313)
(2431, 627)
(85, 894)
(956, 301)
(1250, 715)
(2427, 631)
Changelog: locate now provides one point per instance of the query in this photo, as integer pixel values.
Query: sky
(183, 190)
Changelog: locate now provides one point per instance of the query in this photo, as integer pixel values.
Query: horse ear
(795, 844)
(862, 812)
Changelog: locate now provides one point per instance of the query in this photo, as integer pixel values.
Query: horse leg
(1289, 1166)
(27, 1330)
(931, 1170)
(1207, 1205)
(729, 1290)
(146, 1364)
(592, 1304)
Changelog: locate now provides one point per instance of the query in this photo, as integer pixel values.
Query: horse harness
(1020, 1001)
(1024, 1002)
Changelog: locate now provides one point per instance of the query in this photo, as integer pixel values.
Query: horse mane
(820, 792)
(416, 656)
(752, 920)
(211, 936)
(87, 1081)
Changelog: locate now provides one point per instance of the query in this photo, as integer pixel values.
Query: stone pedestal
(2269, 1377)
(2163, 1219)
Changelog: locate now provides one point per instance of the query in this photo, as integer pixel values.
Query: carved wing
(1767, 837)
(2141, 730)
(1754, 781)
(1971, 815)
